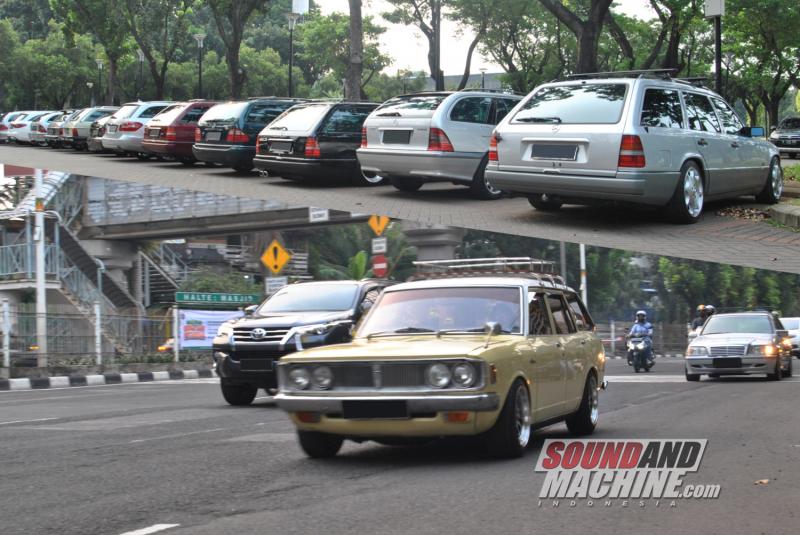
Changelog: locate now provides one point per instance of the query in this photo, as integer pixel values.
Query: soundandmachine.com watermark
(623, 472)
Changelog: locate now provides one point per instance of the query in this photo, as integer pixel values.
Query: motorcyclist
(700, 319)
(641, 329)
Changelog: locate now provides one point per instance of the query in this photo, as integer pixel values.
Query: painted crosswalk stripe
(155, 528)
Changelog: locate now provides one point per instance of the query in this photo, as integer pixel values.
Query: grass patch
(792, 173)
(782, 226)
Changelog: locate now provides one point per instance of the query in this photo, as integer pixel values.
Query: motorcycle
(640, 353)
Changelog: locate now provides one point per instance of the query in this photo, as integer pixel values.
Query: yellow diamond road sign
(378, 223)
(275, 257)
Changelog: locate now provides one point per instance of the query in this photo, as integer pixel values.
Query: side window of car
(582, 320)
(503, 106)
(193, 115)
(472, 110)
(345, 120)
(561, 317)
(662, 108)
(730, 121)
(700, 113)
(539, 316)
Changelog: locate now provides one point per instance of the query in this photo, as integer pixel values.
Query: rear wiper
(389, 114)
(278, 128)
(539, 120)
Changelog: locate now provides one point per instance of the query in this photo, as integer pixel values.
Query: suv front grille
(244, 334)
(727, 351)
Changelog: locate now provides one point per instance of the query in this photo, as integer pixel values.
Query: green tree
(427, 16)
(209, 280)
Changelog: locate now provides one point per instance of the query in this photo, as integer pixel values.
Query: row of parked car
(637, 137)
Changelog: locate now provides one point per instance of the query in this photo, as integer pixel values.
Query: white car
(125, 129)
(38, 129)
(6, 122)
(793, 326)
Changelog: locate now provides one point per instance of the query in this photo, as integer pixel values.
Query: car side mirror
(249, 311)
(782, 333)
(773, 128)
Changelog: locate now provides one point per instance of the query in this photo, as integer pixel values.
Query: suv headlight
(463, 375)
(697, 351)
(322, 377)
(764, 350)
(438, 375)
(299, 378)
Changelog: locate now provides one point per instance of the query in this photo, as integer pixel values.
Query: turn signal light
(438, 141)
(170, 133)
(312, 148)
(236, 136)
(493, 148)
(459, 417)
(308, 417)
(74, 132)
(198, 135)
(631, 152)
(130, 126)
(363, 138)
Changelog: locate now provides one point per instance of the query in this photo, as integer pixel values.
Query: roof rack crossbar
(660, 73)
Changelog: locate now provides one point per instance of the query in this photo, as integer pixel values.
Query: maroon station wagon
(171, 132)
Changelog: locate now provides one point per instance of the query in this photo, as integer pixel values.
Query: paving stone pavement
(715, 238)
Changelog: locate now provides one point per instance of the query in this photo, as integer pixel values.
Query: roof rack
(693, 80)
(298, 99)
(656, 73)
(520, 266)
(493, 90)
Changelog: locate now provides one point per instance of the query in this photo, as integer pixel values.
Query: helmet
(700, 308)
(641, 313)
(710, 309)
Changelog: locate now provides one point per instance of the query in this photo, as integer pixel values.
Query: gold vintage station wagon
(493, 353)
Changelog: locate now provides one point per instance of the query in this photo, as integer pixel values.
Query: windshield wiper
(402, 330)
(539, 120)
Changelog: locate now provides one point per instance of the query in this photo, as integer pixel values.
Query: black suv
(316, 140)
(298, 316)
(226, 133)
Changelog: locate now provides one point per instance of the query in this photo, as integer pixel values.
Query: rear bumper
(320, 168)
(182, 149)
(639, 187)
(95, 144)
(230, 155)
(123, 143)
(427, 165)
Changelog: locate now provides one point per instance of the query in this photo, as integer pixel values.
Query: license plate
(154, 132)
(213, 136)
(280, 147)
(112, 128)
(554, 151)
(256, 365)
(388, 409)
(398, 137)
(727, 362)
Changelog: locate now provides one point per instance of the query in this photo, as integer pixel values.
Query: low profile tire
(243, 168)
(777, 375)
(368, 179)
(544, 202)
(319, 445)
(687, 202)
(773, 188)
(511, 433)
(480, 186)
(584, 420)
(238, 395)
(406, 183)
(692, 377)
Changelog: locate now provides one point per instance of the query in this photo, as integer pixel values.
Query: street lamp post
(99, 79)
(199, 37)
(90, 85)
(483, 77)
(292, 18)
(141, 75)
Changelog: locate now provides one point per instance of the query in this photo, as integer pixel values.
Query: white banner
(197, 328)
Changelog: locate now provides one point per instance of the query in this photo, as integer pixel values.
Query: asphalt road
(115, 459)
(715, 238)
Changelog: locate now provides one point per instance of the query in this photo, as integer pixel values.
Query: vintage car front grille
(385, 375)
(272, 336)
(727, 351)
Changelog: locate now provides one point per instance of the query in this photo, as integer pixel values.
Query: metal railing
(16, 261)
(171, 263)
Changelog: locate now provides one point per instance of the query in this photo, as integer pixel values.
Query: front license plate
(727, 362)
(112, 128)
(213, 136)
(363, 410)
(256, 365)
(551, 151)
(396, 137)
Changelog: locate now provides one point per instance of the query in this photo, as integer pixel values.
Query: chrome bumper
(416, 404)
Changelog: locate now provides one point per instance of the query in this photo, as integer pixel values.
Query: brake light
(493, 148)
(438, 141)
(259, 141)
(312, 148)
(17, 125)
(3, 127)
(236, 136)
(631, 152)
(130, 126)
(170, 133)
(198, 135)
(74, 132)
(363, 138)
(42, 128)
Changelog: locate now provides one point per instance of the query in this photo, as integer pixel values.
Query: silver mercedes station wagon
(636, 136)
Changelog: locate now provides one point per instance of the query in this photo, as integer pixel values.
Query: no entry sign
(380, 266)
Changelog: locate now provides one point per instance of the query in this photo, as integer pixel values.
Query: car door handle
(702, 142)
(735, 145)
(558, 344)
(583, 342)
(533, 361)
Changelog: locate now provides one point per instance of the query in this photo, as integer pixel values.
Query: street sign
(218, 298)
(318, 215)
(380, 266)
(273, 284)
(714, 8)
(378, 223)
(275, 257)
(379, 245)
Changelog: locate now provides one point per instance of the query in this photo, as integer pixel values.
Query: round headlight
(438, 375)
(299, 378)
(463, 375)
(322, 377)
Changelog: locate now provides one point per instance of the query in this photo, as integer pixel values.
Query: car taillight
(236, 136)
(17, 125)
(42, 128)
(3, 127)
(130, 126)
(363, 138)
(101, 131)
(312, 148)
(170, 133)
(438, 141)
(74, 132)
(493, 148)
(631, 152)
(259, 141)
(198, 135)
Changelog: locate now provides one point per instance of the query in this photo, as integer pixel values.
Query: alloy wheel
(594, 400)
(776, 175)
(522, 416)
(693, 191)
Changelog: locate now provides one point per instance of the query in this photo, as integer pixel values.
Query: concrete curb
(786, 214)
(36, 383)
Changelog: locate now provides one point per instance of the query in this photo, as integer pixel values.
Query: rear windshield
(263, 113)
(575, 104)
(170, 113)
(792, 122)
(301, 118)
(151, 111)
(791, 323)
(411, 102)
(345, 119)
(125, 111)
(759, 324)
(224, 113)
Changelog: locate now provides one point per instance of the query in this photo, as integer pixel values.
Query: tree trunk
(468, 63)
(587, 49)
(111, 85)
(352, 89)
(235, 78)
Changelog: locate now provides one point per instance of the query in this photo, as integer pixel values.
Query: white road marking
(653, 378)
(265, 437)
(26, 421)
(155, 528)
(177, 435)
